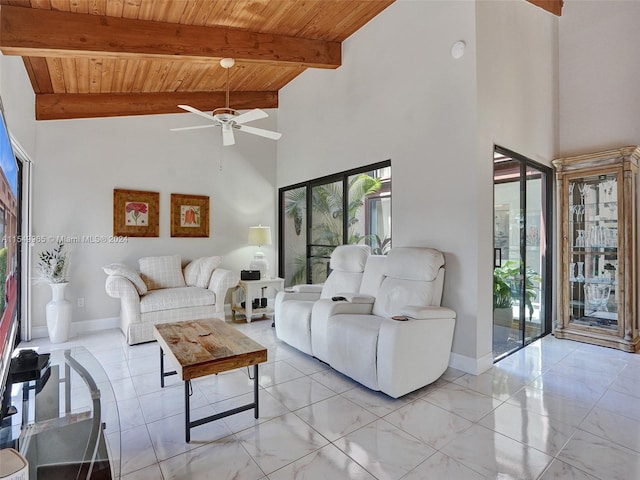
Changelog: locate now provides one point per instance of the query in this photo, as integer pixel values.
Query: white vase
(58, 314)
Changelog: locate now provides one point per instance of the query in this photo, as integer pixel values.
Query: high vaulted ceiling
(99, 58)
(104, 58)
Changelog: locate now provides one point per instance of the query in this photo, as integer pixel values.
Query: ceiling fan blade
(227, 135)
(260, 131)
(192, 128)
(197, 112)
(250, 116)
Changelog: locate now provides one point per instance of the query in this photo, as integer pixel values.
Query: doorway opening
(522, 213)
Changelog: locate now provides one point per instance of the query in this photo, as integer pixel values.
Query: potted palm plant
(505, 283)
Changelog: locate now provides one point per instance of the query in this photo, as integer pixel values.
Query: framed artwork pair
(136, 213)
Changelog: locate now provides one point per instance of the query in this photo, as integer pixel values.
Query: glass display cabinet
(597, 210)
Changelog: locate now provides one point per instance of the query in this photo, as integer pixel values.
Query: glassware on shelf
(580, 276)
(580, 241)
(596, 295)
(572, 269)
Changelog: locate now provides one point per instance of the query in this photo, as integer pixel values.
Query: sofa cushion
(181, 297)
(128, 273)
(198, 272)
(161, 272)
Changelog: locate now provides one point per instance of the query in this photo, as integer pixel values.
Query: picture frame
(189, 215)
(136, 213)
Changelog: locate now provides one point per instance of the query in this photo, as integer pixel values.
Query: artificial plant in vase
(53, 265)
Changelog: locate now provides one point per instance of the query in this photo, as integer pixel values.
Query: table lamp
(260, 236)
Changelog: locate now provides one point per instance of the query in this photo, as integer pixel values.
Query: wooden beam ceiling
(552, 6)
(50, 33)
(56, 106)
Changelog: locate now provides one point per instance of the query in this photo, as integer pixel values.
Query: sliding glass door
(522, 257)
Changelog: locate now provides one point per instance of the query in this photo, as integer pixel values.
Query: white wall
(599, 72)
(79, 162)
(400, 95)
(517, 109)
(18, 100)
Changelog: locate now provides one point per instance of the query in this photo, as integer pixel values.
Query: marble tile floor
(555, 410)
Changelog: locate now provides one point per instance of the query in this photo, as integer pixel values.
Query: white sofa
(358, 337)
(293, 307)
(162, 291)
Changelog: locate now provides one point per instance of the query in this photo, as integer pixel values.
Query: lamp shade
(259, 235)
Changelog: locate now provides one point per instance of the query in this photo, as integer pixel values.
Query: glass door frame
(546, 293)
(342, 177)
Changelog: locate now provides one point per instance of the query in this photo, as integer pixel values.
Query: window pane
(370, 209)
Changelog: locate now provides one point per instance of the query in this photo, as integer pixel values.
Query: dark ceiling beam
(58, 106)
(42, 33)
(553, 6)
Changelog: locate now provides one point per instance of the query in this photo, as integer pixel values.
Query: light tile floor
(555, 410)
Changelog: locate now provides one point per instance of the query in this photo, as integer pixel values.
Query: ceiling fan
(229, 119)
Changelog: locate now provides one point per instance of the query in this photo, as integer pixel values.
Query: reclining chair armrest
(419, 312)
(307, 288)
(413, 354)
(221, 281)
(358, 298)
(305, 296)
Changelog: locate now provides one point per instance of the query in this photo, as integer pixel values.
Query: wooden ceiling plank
(61, 5)
(82, 74)
(119, 70)
(131, 9)
(76, 6)
(97, 7)
(69, 75)
(95, 75)
(67, 106)
(38, 71)
(197, 12)
(106, 75)
(56, 74)
(129, 76)
(46, 4)
(141, 75)
(40, 32)
(115, 8)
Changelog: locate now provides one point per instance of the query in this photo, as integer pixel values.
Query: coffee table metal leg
(255, 389)
(187, 416)
(161, 368)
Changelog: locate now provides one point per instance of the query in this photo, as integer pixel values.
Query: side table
(253, 289)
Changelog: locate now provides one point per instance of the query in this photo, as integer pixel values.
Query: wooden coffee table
(203, 347)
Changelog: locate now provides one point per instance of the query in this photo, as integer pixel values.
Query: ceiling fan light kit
(229, 119)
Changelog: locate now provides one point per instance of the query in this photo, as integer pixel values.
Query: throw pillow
(162, 272)
(198, 272)
(128, 273)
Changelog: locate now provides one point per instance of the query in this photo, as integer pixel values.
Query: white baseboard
(86, 326)
(474, 366)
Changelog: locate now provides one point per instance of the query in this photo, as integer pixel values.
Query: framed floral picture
(135, 213)
(189, 215)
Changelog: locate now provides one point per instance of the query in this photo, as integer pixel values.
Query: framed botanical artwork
(189, 215)
(135, 213)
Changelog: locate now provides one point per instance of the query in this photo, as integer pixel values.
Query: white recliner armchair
(382, 353)
(293, 307)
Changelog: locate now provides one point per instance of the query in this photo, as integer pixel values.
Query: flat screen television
(9, 253)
